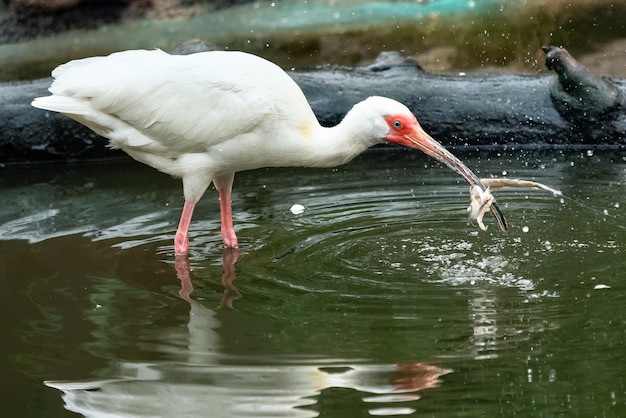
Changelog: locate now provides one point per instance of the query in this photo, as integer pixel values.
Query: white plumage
(205, 116)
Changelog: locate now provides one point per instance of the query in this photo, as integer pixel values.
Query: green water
(379, 299)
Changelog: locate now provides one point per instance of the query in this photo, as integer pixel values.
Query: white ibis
(205, 116)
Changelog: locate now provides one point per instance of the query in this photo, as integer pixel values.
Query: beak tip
(497, 213)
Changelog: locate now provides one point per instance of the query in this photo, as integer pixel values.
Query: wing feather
(175, 104)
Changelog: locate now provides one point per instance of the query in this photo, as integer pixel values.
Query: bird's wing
(174, 103)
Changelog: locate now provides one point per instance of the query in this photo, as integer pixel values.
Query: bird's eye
(397, 124)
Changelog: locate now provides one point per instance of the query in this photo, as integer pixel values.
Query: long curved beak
(419, 139)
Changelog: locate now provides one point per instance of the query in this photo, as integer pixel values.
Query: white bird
(205, 116)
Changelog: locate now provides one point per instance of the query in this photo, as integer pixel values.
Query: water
(378, 299)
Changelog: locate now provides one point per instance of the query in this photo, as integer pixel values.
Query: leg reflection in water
(229, 258)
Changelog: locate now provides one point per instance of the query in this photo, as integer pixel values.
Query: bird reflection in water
(200, 378)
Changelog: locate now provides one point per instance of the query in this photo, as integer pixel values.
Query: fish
(482, 199)
(480, 203)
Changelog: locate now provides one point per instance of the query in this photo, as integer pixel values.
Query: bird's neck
(339, 144)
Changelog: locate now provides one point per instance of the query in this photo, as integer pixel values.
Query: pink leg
(181, 240)
(226, 214)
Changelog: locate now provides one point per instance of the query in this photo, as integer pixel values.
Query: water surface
(379, 299)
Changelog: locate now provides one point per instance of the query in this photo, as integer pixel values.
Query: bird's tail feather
(80, 109)
(63, 104)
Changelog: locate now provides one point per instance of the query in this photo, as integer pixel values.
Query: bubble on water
(504, 172)
(525, 229)
(616, 205)
(589, 153)
(297, 209)
(605, 212)
(601, 286)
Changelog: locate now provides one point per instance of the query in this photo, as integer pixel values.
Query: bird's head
(399, 126)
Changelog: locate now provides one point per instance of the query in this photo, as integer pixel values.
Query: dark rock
(29, 19)
(471, 110)
(22, 20)
(578, 94)
(193, 46)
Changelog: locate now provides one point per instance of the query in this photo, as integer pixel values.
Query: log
(571, 109)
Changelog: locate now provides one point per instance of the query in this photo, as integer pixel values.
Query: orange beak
(418, 138)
